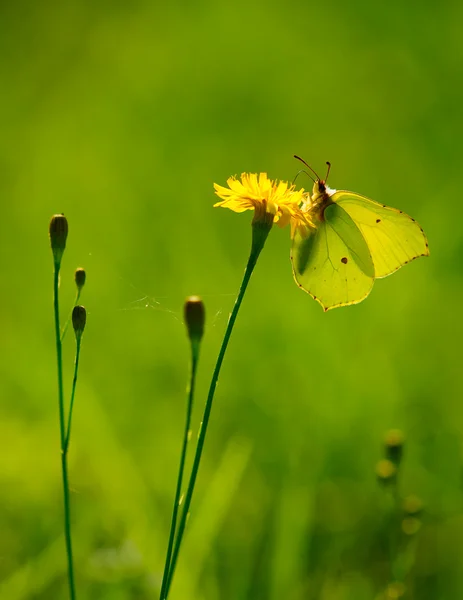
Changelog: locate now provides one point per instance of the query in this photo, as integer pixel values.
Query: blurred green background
(122, 115)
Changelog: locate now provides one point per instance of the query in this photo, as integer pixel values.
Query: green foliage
(121, 116)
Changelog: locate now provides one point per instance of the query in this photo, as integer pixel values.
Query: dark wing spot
(401, 212)
(412, 219)
(378, 220)
(344, 260)
(315, 297)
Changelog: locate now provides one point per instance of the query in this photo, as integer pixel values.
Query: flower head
(266, 198)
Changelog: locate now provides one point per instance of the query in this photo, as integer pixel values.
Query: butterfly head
(321, 191)
(319, 187)
(320, 198)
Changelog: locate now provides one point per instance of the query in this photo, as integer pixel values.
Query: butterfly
(353, 242)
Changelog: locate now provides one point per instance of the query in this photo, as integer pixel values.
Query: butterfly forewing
(393, 238)
(332, 262)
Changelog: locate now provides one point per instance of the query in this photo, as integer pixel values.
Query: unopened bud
(194, 318)
(394, 445)
(386, 471)
(58, 234)
(395, 590)
(412, 506)
(79, 318)
(411, 525)
(79, 277)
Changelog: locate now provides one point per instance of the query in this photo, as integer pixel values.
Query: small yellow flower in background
(265, 197)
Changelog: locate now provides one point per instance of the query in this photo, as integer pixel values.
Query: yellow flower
(265, 197)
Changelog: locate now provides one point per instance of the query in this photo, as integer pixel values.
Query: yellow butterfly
(355, 241)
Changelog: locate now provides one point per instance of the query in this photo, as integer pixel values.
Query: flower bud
(393, 445)
(194, 318)
(386, 471)
(412, 506)
(411, 525)
(58, 231)
(79, 318)
(79, 278)
(395, 590)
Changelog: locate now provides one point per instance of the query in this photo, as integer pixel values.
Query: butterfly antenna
(308, 166)
(302, 171)
(328, 171)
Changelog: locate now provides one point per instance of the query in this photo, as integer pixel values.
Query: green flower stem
(68, 320)
(190, 394)
(260, 231)
(64, 466)
(73, 393)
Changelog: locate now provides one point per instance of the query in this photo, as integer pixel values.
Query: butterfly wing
(332, 262)
(394, 238)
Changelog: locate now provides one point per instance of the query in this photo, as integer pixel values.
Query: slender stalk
(64, 466)
(68, 320)
(186, 437)
(260, 231)
(73, 393)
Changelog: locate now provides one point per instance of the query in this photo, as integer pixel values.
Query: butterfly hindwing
(332, 262)
(393, 238)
